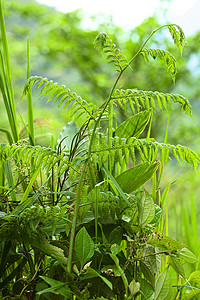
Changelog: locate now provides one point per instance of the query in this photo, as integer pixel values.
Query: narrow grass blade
(6, 80)
(30, 101)
(8, 135)
(116, 185)
(29, 187)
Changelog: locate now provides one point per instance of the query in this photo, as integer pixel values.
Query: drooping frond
(163, 55)
(119, 150)
(141, 100)
(177, 35)
(42, 157)
(105, 44)
(63, 96)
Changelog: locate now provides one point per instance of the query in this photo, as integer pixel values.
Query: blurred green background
(62, 49)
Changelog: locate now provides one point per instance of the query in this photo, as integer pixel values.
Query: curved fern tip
(100, 40)
(178, 36)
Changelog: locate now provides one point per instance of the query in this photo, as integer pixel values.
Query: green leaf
(146, 289)
(188, 256)
(134, 287)
(158, 215)
(146, 209)
(165, 242)
(148, 273)
(91, 273)
(135, 177)
(192, 295)
(133, 126)
(122, 274)
(2, 214)
(195, 277)
(115, 249)
(116, 185)
(29, 187)
(57, 287)
(84, 246)
(153, 262)
(163, 287)
(66, 135)
(115, 236)
(50, 250)
(176, 265)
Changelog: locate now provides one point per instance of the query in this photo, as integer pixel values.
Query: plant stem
(76, 209)
(73, 228)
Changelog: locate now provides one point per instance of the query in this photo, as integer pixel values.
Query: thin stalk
(76, 209)
(73, 228)
(30, 101)
(110, 130)
(96, 214)
(138, 52)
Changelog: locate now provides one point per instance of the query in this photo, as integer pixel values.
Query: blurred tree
(62, 49)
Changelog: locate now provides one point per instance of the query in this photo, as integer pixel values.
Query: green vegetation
(85, 215)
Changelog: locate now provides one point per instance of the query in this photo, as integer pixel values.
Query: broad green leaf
(91, 273)
(115, 236)
(194, 294)
(135, 177)
(148, 273)
(166, 243)
(158, 215)
(66, 136)
(133, 126)
(146, 289)
(146, 209)
(195, 277)
(115, 249)
(50, 250)
(153, 262)
(134, 287)
(84, 246)
(57, 287)
(188, 256)
(176, 265)
(163, 287)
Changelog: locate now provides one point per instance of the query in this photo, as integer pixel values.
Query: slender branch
(73, 228)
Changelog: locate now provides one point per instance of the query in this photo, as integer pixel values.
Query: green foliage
(165, 56)
(82, 218)
(75, 104)
(141, 100)
(103, 43)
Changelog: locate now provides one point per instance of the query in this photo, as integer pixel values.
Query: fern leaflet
(178, 36)
(69, 100)
(163, 55)
(142, 100)
(105, 44)
(118, 149)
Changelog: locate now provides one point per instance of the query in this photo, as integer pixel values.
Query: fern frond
(63, 96)
(105, 44)
(142, 100)
(117, 149)
(163, 55)
(178, 36)
(46, 158)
